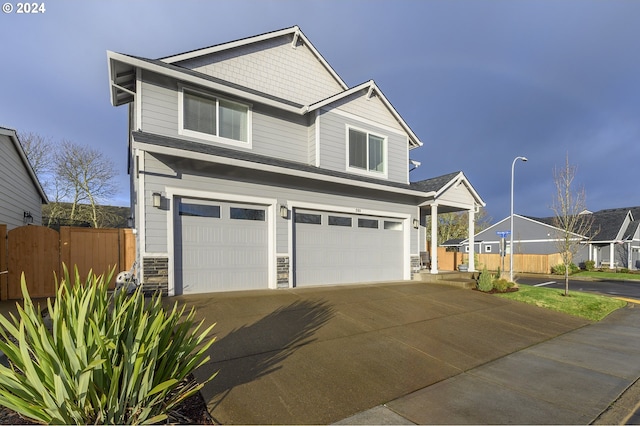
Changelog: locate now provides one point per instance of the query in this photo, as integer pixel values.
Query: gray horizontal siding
(274, 133)
(333, 147)
(158, 175)
(17, 191)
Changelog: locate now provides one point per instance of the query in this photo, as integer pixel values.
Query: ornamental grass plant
(99, 358)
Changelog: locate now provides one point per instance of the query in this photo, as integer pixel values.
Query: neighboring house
(530, 236)
(21, 195)
(615, 234)
(616, 238)
(253, 165)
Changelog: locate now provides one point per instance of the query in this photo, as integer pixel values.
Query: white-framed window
(366, 152)
(487, 248)
(206, 116)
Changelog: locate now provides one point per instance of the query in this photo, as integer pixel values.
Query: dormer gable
(372, 93)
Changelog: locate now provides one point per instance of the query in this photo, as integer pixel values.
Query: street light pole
(513, 165)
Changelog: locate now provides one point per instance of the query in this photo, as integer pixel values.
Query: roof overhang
(252, 165)
(122, 75)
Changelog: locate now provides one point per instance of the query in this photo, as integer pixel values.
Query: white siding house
(21, 195)
(253, 165)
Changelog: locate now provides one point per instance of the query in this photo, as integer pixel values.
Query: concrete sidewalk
(571, 379)
(410, 352)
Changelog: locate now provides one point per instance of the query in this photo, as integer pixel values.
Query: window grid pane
(357, 149)
(376, 160)
(368, 223)
(313, 219)
(199, 113)
(247, 214)
(233, 121)
(339, 221)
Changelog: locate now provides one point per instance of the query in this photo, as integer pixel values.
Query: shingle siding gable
(271, 66)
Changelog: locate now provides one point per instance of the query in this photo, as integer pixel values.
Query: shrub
(589, 265)
(624, 271)
(501, 285)
(560, 269)
(485, 281)
(103, 359)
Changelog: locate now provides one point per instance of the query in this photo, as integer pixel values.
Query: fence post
(127, 249)
(4, 266)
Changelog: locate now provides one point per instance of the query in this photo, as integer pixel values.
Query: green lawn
(590, 306)
(607, 275)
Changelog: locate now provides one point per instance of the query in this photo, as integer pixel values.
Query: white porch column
(434, 239)
(611, 255)
(472, 242)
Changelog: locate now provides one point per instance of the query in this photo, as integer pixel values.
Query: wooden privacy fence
(39, 252)
(532, 263)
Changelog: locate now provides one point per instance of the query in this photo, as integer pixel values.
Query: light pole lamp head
(524, 158)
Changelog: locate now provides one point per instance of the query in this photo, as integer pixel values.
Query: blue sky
(480, 82)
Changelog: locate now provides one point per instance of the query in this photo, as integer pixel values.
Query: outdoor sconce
(156, 199)
(284, 212)
(130, 222)
(416, 223)
(27, 218)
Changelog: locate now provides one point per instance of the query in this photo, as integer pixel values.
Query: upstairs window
(213, 118)
(366, 152)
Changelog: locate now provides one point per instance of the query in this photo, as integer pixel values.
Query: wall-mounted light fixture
(157, 197)
(130, 222)
(27, 218)
(416, 223)
(284, 211)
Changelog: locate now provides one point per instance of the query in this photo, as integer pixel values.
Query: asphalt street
(628, 289)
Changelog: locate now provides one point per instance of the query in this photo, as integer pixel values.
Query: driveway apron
(322, 354)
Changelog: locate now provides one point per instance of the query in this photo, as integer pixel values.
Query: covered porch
(451, 193)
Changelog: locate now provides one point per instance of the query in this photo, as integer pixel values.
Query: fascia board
(275, 169)
(134, 62)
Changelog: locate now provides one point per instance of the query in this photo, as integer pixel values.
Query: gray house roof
(434, 184)
(608, 223)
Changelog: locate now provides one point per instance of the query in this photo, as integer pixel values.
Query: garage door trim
(269, 203)
(406, 219)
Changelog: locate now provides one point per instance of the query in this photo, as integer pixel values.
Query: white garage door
(337, 248)
(220, 246)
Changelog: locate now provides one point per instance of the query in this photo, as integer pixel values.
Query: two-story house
(253, 165)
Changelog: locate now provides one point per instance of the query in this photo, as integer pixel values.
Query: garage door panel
(220, 246)
(332, 253)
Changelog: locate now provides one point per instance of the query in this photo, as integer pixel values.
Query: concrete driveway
(319, 355)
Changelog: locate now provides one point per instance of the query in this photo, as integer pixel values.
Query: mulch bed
(193, 411)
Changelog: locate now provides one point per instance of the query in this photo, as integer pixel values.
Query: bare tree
(571, 217)
(87, 176)
(456, 225)
(38, 151)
